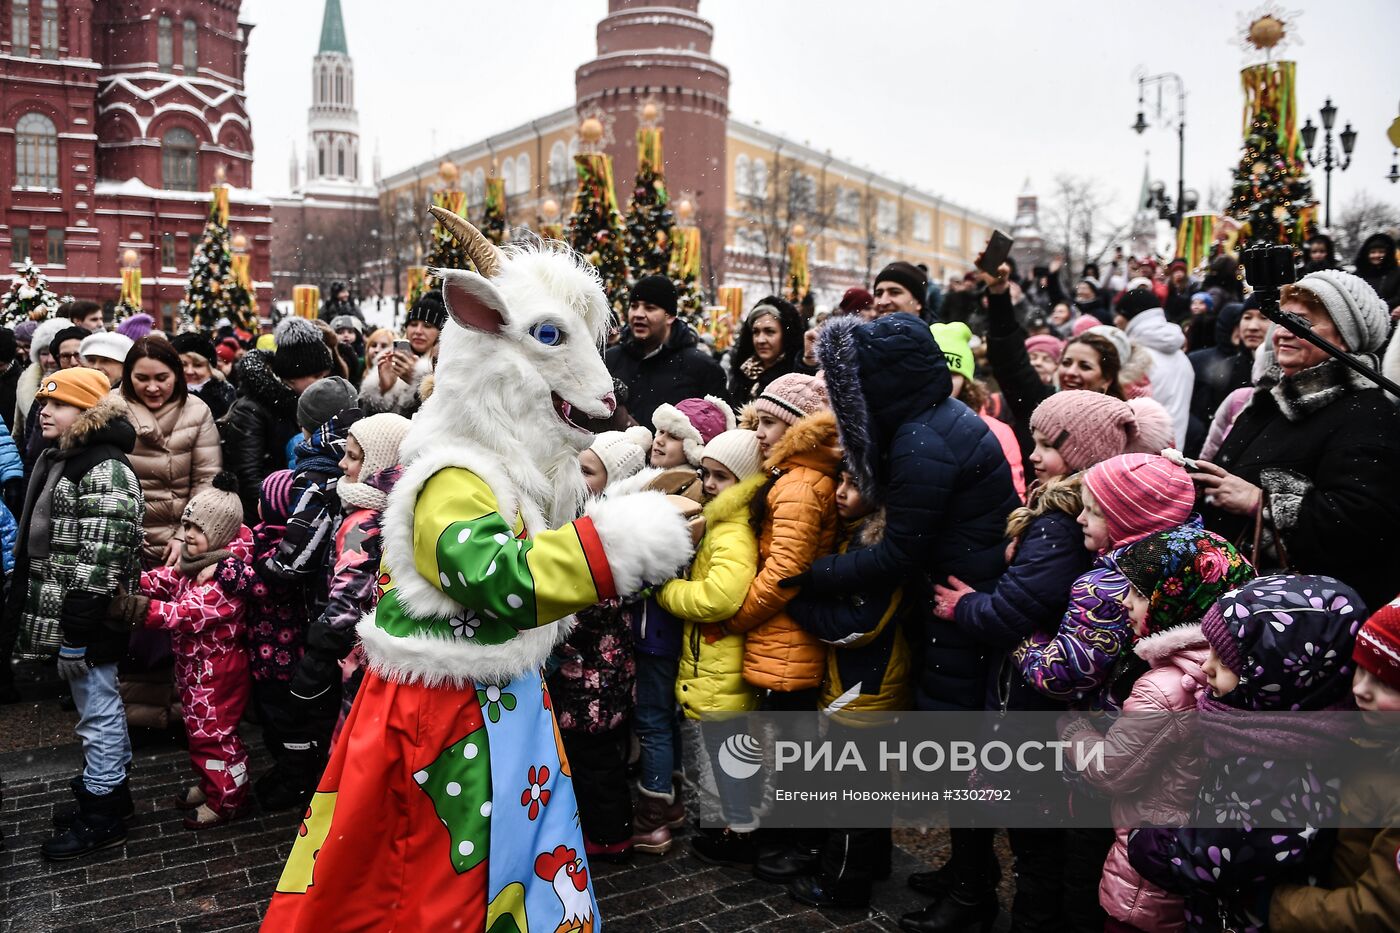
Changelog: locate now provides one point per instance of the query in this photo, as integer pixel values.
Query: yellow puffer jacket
(711, 677)
(800, 525)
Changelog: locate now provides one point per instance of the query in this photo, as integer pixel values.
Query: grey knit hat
(1359, 313)
(323, 400)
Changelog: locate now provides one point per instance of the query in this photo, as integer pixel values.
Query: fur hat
(1085, 427)
(276, 496)
(1156, 431)
(1140, 494)
(623, 453)
(1358, 312)
(1378, 645)
(43, 335)
(793, 397)
(137, 326)
(955, 340)
(694, 421)
(105, 345)
(217, 511)
(301, 350)
(737, 451)
(80, 387)
(323, 399)
(197, 343)
(379, 437)
(1047, 344)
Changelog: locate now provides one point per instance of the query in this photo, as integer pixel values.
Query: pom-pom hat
(793, 397)
(217, 511)
(695, 421)
(1085, 427)
(301, 350)
(623, 453)
(1139, 494)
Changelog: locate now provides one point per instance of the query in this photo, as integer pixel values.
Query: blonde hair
(385, 332)
(1060, 494)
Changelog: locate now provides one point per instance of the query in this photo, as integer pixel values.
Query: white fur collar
(1158, 647)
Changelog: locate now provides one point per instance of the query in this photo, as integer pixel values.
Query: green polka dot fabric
(459, 784)
(483, 567)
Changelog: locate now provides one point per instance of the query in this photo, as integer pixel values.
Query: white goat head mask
(526, 345)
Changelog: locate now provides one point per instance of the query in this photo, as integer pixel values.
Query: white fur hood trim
(430, 659)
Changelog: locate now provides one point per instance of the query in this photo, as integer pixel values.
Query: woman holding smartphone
(392, 378)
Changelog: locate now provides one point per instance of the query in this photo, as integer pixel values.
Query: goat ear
(473, 302)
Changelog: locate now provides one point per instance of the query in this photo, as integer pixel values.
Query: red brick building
(115, 118)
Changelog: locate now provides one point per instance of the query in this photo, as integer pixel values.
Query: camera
(1266, 268)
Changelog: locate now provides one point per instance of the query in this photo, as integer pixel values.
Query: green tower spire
(333, 29)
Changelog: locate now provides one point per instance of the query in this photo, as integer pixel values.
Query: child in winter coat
(79, 545)
(711, 674)
(370, 468)
(594, 674)
(869, 670)
(1125, 499)
(1279, 644)
(200, 600)
(1151, 760)
(1361, 886)
(278, 614)
(688, 425)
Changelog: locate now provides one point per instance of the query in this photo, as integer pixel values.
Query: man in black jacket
(658, 359)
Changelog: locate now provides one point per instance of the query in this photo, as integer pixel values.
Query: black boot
(725, 847)
(99, 825)
(787, 864)
(63, 817)
(950, 914)
(936, 883)
(818, 891)
(275, 791)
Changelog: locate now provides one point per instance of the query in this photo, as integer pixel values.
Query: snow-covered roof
(135, 187)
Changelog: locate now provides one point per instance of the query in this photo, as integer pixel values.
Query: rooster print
(568, 874)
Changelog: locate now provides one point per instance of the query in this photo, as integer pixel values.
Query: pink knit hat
(1155, 429)
(1085, 427)
(695, 421)
(1045, 343)
(1140, 494)
(793, 397)
(1083, 323)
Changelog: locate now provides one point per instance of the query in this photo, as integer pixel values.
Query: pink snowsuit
(207, 629)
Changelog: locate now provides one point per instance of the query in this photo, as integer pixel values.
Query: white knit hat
(623, 453)
(1359, 313)
(379, 437)
(1120, 341)
(108, 346)
(695, 421)
(737, 451)
(44, 334)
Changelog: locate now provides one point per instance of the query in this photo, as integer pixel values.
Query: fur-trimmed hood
(878, 376)
(1157, 649)
(1316, 387)
(732, 505)
(872, 529)
(103, 423)
(257, 381)
(811, 442)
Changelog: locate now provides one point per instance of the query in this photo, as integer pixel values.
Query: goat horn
(481, 251)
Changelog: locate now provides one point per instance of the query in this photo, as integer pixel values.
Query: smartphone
(403, 346)
(996, 251)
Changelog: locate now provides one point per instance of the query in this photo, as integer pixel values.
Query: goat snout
(610, 403)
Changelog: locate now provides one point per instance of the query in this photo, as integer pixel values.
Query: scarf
(1316, 387)
(191, 566)
(1230, 732)
(362, 496)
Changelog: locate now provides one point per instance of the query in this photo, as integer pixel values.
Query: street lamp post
(1348, 138)
(1141, 124)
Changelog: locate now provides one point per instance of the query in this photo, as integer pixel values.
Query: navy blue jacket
(940, 475)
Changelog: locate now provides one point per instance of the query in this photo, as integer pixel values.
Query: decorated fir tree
(684, 271)
(29, 297)
(649, 216)
(213, 291)
(595, 228)
(445, 252)
(493, 218)
(1269, 197)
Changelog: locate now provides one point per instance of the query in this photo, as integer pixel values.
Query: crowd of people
(1006, 494)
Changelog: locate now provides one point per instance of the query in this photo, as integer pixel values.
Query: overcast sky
(965, 99)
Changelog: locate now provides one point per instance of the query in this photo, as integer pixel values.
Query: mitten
(72, 662)
(130, 610)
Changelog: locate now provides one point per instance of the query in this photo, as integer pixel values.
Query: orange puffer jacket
(799, 525)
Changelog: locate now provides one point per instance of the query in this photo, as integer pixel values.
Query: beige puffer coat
(177, 454)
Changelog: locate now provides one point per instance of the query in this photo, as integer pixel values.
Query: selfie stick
(1269, 267)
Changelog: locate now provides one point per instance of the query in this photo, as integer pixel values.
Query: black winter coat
(1330, 472)
(680, 370)
(218, 394)
(1011, 367)
(258, 428)
(938, 471)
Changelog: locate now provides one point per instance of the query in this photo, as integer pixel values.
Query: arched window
(524, 184)
(321, 160)
(165, 44)
(189, 46)
(478, 189)
(508, 175)
(558, 163)
(48, 29)
(178, 152)
(339, 85)
(36, 152)
(743, 176)
(19, 26)
(573, 147)
(758, 181)
(340, 159)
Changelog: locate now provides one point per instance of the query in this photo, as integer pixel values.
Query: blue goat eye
(547, 334)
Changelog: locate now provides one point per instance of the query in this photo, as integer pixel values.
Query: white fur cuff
(645, 539)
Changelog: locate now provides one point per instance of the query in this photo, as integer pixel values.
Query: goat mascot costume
(447, 802)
